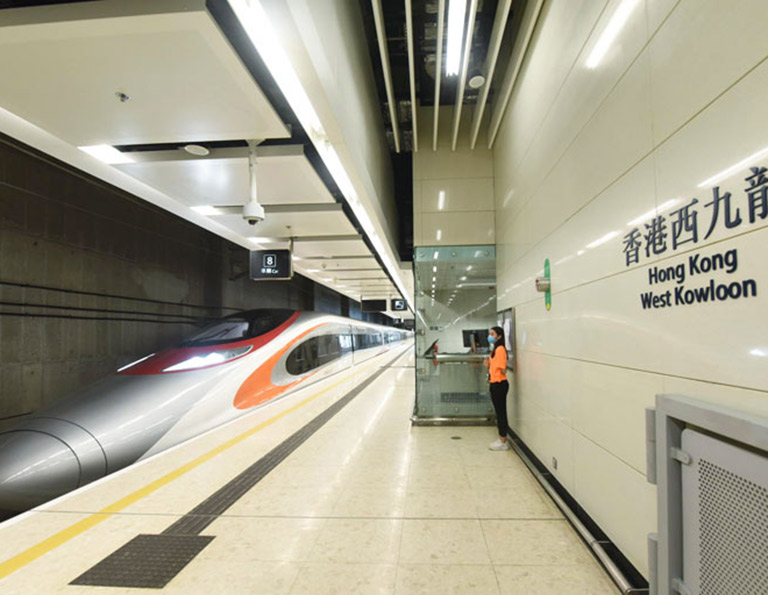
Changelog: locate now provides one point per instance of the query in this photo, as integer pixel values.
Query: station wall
(585, 157)
(464, 176)
(92, 278)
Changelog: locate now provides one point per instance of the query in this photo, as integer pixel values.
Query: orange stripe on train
(258, 387)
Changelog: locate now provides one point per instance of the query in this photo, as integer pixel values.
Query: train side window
(313, 353)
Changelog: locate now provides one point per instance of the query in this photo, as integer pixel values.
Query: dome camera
(253, 213)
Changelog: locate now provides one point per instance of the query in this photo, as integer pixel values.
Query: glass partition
(455, 307)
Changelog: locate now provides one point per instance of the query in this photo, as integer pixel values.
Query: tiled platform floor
(368, 504)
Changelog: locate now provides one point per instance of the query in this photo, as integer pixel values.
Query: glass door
(455, 307)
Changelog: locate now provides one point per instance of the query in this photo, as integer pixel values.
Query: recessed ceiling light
(476, 81)
(198, 150)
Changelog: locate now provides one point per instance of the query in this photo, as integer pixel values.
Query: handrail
(458, 357)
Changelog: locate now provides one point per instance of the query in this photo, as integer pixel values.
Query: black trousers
(499, 392)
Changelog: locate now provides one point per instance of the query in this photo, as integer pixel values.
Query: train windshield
(239, 327)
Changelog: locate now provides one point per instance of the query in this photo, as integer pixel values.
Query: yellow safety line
(36, 551)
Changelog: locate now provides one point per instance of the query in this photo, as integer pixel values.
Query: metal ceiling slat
(438, 71)
(499, 24)
(381, 35)
(411, 72)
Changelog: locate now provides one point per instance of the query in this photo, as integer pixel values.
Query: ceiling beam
(290, 208)
(497, 34)
(438, 71)
(353, 257)
(411, 72)
(306, 239)
(381, 35)
(519, 49)
(215, 153)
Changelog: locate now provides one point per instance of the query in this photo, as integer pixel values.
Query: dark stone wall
(92, 278)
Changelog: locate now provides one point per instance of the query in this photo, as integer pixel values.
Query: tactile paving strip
(149, 562)
(145, 562)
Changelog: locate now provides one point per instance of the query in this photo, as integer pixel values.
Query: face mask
(491, 340)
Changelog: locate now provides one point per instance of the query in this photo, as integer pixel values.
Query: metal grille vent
(733, 516)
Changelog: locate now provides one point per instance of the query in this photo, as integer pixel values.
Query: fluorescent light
(580, 252)
(611, 31)
(463, 279)
(439, 234)
(435, 255)
(434, 269)
(606, 238)
(734, 168)
(469, 268)
(207, 210)
(262, 240)
(107, 154)
(653, 212)
(441, 200)
(759, 352)
(457, 10)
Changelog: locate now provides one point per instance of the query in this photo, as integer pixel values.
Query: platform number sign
(271, 265)
(398, 306)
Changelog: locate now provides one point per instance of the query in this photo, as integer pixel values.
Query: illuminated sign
(271, 265)
(399, 306)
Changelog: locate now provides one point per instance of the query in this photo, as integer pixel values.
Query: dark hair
(502, 340)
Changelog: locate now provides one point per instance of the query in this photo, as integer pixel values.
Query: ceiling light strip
(497, 34)
(463, 77)
(381, 35)
(523, 38)
(457, 10)
(411, 72)
(438, 70)
(254, 20)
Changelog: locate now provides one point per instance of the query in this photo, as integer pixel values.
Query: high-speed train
(240, 362)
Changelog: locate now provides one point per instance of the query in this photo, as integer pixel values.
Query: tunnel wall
(92, 278)
(585, 157)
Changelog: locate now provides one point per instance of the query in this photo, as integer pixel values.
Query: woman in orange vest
(497, 368)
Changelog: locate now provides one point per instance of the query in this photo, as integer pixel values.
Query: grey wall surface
(92, 278)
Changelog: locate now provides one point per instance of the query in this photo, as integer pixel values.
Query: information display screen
(271, 265)
(374, 305)
(399, 306)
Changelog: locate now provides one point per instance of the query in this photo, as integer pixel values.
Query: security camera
(253, 212)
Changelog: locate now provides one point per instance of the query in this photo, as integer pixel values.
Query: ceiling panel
(345, 276)
(275, 225)
(197, 182)
(345, 248)
(184, 81)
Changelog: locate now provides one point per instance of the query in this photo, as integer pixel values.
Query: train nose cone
(34, 468)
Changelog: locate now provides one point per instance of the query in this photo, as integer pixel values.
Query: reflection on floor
(368, 504)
